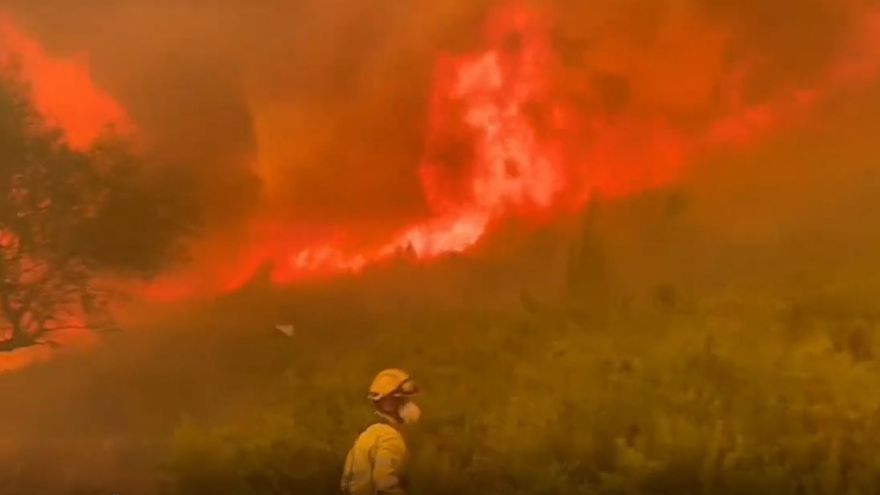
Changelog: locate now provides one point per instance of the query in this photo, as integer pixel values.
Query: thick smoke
(316, 106)
(311, 117)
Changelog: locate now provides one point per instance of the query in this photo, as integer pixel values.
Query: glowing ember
(62, 88)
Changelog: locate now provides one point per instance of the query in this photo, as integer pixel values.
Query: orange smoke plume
(521, 128)
(62, 88)
(505, 141)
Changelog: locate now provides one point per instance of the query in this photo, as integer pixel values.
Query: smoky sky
(340, 87)
(317, 110)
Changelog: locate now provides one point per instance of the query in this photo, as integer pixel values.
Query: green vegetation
(717, 339)
(738, 367)
(650, 401)
(721, 338)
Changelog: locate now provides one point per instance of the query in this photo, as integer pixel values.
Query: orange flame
(501, 144)
(62, 88)
(63, 92)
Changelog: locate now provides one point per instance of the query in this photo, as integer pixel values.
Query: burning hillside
(525, 121)
(516, 132)
(631, 239)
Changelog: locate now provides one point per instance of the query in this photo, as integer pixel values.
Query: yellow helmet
(392, 382)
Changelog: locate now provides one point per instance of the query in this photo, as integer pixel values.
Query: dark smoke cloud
(171, 71)
(339, 87)
(316, 109)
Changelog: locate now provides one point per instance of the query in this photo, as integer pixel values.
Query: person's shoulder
(382, 432)
(382, 429)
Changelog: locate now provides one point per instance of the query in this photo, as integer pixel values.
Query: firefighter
(375, 464)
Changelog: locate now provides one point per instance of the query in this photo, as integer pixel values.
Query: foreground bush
(540, 401)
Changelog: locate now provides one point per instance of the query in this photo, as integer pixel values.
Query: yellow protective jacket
(375, 464)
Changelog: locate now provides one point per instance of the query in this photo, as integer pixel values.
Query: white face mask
(409, 413)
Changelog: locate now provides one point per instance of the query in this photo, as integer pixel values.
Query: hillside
(718, 337)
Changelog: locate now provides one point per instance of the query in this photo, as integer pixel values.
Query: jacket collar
(387, 418)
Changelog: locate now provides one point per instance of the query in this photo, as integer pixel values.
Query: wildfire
(490, 100)
(62, 88)
(510, 168)
(64, 93)
(503, 142)
(506, 141)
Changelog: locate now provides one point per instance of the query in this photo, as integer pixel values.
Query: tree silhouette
(70, 221)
